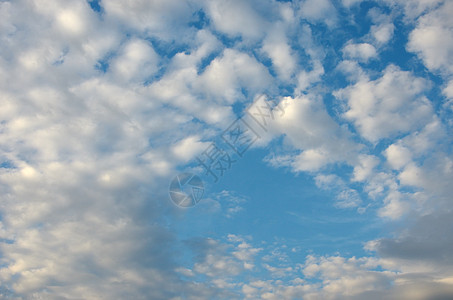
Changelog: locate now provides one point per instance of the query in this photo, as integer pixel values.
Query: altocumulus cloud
(103, 102)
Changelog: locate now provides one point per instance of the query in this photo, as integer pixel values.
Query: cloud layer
(102, 102)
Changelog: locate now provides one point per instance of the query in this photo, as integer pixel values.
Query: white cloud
(397, 156)
(222, 260)
(345, 197)
(209, 95)
(277, 48)
(390, 105)
(348, 198)
(164, 19)
(137, 61)
(319, 11)
(413, 8)
(236, 17)
(394, 206)
(91, 150)
(421, 162)
(310, 160)
(349, 3)
(226, 74)
(352, 70)
(383, 29)
(364, 168)
(231, 202)
(362, 52)
(448, 92)
(309, 129)
(87, 148)
(382, 33)
(189, 147)
(432, 39)
(306, 79)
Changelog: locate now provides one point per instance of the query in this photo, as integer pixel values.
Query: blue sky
(345, 192)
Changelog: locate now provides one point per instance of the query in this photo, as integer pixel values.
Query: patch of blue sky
(95, 5)
(200, 20)
(102, 65)
(7, 165)
(167, 49)
(283, 205)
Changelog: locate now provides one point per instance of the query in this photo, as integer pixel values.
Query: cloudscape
(226, 149)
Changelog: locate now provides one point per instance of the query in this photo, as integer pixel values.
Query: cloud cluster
(390, 105)
(100, 107)
(432, 38)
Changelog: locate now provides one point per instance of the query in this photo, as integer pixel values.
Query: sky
(312, 138)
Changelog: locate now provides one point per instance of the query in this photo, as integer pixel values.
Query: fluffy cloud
(317, 11)
(237, 18)
(414, 8)
(448, 92)
(311, 131)
(136, 61)
(390, 105)
(166, 20)
(397, 156)
(383, 29)
(234, 70)
(364, 168)
(382, 33)
(99, 109)
(432, 39)
(345, 196)
(277, 48)
(349, 3)
(84, 149)
(363, 52)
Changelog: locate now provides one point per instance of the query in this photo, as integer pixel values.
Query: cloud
(394, 206)
(189, 147)
(365, 167)
(349, 3)
(233, 203)
(448, 92)
(222, 260)
(306, 79)
(311, 131)
(277, 48)
(383, 29)
(100, 108)
(352, 70)
(319, 11)
(237, 18)
(166, 20)
(390, 105)
(382, 33)
(422, 255)
(362, 52)
(432, 39)
(429, 239)
(413, 8)
(224, 77)
(137, 59)
(90, 153)
(345, 197)
(397, 156)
